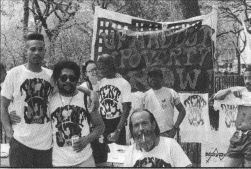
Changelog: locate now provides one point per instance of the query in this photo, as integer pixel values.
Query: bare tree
(232, 11)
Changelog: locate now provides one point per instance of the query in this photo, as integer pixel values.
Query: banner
(184, 50)
(227, 116)
(195, 126)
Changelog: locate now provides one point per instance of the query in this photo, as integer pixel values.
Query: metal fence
(225, 81)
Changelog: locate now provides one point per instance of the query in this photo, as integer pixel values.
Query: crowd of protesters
(53, 122)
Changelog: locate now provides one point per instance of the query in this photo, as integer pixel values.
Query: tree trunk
(183, 9)
(25, 23)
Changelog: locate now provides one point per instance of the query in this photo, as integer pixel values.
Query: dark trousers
(110, 126)
(23, 156)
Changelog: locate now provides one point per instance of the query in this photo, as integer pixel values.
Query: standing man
(28, 87)
(149, 148)
(161, 101)
(114, 99)
(70, 119)
(239, 151)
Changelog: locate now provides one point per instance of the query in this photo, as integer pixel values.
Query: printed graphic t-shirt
(228, 110)
(112, 93)
(167, 153)
(161, 103)
(69, 118)
(30, 94)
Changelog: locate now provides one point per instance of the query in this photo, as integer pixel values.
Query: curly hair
(58, 67)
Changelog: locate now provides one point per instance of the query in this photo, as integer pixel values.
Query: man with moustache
(239, 151)
(70, 118)
(28, 87)
(149, 148)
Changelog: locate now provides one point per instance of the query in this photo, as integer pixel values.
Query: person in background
(99, 147)
(114, 100)
(71, 119)
(28, 87)
(149, 148)
(239, 151)
(161, 101)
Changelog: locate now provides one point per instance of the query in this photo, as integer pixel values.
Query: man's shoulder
(46, 70)
(166, 141)
(15, 69)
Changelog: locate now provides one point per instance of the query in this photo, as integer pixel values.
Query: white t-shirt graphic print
(167, 153)
(30, 93)
(112, 93)
(69, 118)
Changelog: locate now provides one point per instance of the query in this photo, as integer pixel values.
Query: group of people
(54, 122)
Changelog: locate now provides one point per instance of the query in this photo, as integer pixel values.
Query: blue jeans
(23, 156)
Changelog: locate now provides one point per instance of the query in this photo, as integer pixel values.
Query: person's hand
(237, 93)
(80, 144)
(9, 132)
(14, 118)
(113, 137)
(172, 132)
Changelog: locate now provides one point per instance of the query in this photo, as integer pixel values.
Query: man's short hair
(108, 60)
(58, 67)
(155, 71)
(34, 36)
(152, 120)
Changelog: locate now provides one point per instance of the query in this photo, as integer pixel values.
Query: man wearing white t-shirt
(161, 101)
(28, 88)
(149, 148)
(70, 118)
(239, 151)
(114, 99)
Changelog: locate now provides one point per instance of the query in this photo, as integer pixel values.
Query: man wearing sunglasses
(71, 119)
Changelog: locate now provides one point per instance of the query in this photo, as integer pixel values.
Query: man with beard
(149, 148)
(114, 100)
(71, 120)
(239, 151)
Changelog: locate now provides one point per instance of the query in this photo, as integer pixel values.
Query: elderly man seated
(149, 148)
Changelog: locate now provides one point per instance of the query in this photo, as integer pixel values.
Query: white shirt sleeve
(178, 156)
(8, 86)
(126, 92)
(84, 84)
(176, 97)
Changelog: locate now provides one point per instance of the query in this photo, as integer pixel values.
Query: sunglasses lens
(72, 78)
(64, 78)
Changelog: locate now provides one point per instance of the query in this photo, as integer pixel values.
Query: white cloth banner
(195, 126)
(227, 116)
(213, 153)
